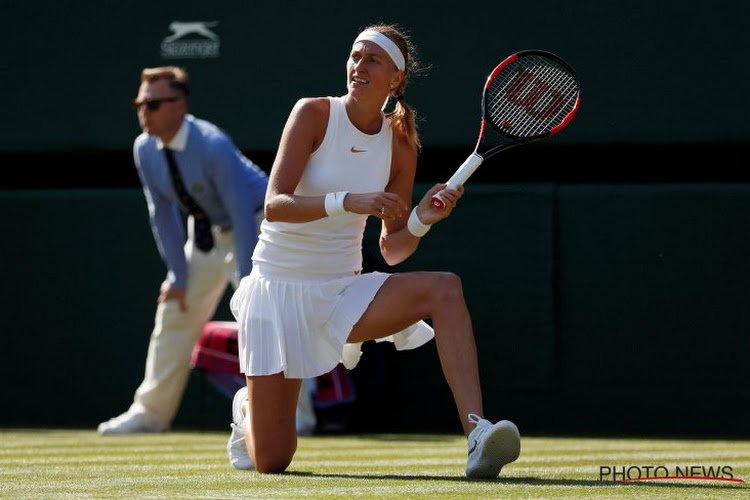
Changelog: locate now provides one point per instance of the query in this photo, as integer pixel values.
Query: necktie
(204, 240)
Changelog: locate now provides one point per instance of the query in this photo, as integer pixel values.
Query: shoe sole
(502, 445)
(116, 432)
(239, 397)
(129, 425)
(240, 460)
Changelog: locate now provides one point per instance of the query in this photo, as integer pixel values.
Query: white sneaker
(491, 446)
(236, 446)
(131, 423)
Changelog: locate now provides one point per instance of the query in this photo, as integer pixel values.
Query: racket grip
(458, 178)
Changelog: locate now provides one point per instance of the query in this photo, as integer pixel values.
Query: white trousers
(176, 332)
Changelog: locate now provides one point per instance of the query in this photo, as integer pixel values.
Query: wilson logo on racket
(528, 91)
(528, 96)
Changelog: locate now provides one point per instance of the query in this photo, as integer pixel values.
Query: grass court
(79, 464)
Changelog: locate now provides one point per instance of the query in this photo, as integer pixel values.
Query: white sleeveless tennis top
(347, 160)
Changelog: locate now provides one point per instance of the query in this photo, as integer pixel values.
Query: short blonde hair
(178, 77)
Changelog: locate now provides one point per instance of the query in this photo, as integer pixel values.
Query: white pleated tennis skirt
(298, 325)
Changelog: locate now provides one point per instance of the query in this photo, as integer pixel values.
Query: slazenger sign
(177, 45)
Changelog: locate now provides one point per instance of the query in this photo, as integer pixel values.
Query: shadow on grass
(433, 438)
(522, 481)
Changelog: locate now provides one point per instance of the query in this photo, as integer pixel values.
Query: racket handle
(458, 178)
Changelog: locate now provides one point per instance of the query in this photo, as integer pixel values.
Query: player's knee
(272, 462)
(448, 287)
(273, 456)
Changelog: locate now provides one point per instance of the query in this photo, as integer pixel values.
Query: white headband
(384, 43)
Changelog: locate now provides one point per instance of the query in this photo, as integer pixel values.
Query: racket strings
(534, 90)
(530, 97)
(532, 112)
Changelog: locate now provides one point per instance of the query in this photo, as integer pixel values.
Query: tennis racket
(530, 95)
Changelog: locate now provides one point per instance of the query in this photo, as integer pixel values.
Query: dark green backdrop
(606, 308)
(665, 71)
(606, 268)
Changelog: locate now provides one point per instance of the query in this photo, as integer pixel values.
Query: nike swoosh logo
(473, 447)
(355, 150)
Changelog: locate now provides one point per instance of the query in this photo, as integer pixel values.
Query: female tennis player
(306, 305)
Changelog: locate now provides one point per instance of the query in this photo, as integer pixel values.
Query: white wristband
(335, 203)
(416, 226)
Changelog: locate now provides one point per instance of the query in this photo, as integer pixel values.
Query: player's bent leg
(272, 436)
(406, 298)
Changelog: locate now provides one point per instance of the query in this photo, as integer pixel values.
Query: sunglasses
(152, 104)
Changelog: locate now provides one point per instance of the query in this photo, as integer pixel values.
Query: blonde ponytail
(403, 117)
